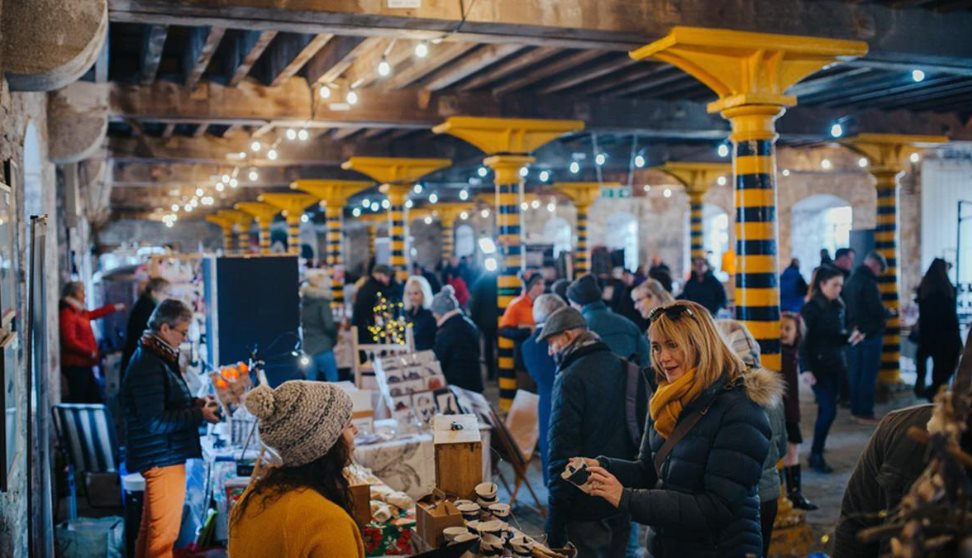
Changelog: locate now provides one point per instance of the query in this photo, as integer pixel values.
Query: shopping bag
(89, 537)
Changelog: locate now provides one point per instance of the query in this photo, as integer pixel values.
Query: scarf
(669, 400)
(584, 339)
(155, 344)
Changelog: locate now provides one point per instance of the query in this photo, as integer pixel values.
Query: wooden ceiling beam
(439, 56)
(168, 130)
(153, 43)
(572, 79)
(626, 77)
(287, 55)
(332, 60)
(515, 64)
(200, 47)
(145, 174)
(200, 130)
(363, 72)
(471, 64)
(250, 47)
(569, 62)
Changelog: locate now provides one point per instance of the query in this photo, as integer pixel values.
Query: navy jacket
(587, 419)
(706, 502)
(137, 323)
(865, 311)
(423, 328)
(617, 332)
(709, 292)
(162, 418)
(457, 348)
(792, 289)
(543, 370)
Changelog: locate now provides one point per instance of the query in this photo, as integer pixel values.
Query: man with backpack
(597, 397)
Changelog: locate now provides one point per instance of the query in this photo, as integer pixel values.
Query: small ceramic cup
(487, 491)
(470, 512)
(464, 538)
(450, 533)
(490, 545)
(499, 510)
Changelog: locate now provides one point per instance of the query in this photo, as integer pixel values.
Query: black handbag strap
(633, 418)
(676, 436)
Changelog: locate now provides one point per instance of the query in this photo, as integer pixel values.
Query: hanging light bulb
(722, 150)
(304, 218)
(524, 172)
(428, 220)
(544, 175)
(551, 207)
(600, 159)
(272, 154)
(234, 183)
(836, 130)
(385, 204)
(464, 215)
(464, 194)
(175, 207)
(639, 161)
(199, 191)
(255, 146)
(409, 204)
(417, 188)
(291, 134)
(786, 172)
(721, 181)
(647, 188)
(667, 193)
(422, 49)
(574, 167)
(220, 187)
(303, 134)
(225, 178)
(484, 213)
(433, 197)
(862, 162)
(915, 157)
(366, 202)
(375, 207)
(826, 164)
(351, 97)
(384, 68)
(253, 175)
(325, 92)
(482, 172)
(187, 208)
(524, 206)
(356, 212)
(535, 204)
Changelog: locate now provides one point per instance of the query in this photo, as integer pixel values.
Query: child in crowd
(791, 333)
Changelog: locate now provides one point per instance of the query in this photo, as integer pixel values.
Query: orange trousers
(165, 494)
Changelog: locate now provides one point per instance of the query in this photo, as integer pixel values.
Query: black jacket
(137, 324)
(482, 303)
(706, 503)
(938, 325)
(822, 348)
(457, 348)
(363, 311)
(709, 292)
(865, 311)
(423, 328)
(162, 418)
(587, 418)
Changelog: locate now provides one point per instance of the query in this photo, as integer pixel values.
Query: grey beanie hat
(560, 321)
(300, 420)
(444, 301)
(584, 291)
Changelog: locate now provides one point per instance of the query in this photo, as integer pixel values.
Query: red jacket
(462, 291)
(78, 344)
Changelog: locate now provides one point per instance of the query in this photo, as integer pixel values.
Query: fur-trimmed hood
(764, 387)
(315, 292)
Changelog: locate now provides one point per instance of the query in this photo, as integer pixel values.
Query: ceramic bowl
(486, 491)
(499, 510)
(450, 533)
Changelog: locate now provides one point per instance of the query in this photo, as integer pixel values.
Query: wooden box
(458, 455)
(361, 496)
(432, 516)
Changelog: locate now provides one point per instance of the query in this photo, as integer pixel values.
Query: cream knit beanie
(300, 420)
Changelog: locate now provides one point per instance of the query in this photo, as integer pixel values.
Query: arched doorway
(623, 235)
(817, 222)
(465, 241)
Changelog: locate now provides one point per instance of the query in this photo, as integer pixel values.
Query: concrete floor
(844, 445)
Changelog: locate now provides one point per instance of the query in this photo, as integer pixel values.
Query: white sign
(404, 4)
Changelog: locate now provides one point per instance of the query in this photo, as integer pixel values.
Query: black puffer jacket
(457, 348)
(162, 418)
(822, 348)
(865, 311)
(706, 503)
(587, 418)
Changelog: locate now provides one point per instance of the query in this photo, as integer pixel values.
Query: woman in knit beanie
(303, 507)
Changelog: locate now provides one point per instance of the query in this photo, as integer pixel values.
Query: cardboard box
(458, 455)
(361, 494)
(432, 515)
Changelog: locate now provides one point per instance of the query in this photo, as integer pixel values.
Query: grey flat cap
(560, 321)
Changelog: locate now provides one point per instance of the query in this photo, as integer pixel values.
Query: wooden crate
(431, 517)
(361, 494)
(458, 455)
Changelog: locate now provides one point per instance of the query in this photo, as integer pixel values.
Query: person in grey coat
(317, 325)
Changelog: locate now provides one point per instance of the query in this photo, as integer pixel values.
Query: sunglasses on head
(672, 311)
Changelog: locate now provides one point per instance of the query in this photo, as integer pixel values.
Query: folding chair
(86, 437)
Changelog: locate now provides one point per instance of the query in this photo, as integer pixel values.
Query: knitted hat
(560, 321)
(559, 288)
(383, 269)
(444, 301)
(300, 420)
(584, 291)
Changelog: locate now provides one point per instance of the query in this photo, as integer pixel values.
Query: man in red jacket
(79, 348)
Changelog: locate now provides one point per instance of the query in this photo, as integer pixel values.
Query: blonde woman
(696, 479)
(418, 299)
(650, 295)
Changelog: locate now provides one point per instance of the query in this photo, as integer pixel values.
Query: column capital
(222, 222)
(507, 135)
(449, 212)
(292, 205)
(397, 193)
(696, 177)
(890, 153)
(745, 68)
(507, 167)
(583, 194)
(395, 170)
(262, 212)
(238, 218)
(334, 193)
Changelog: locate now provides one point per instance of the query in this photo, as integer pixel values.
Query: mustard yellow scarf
(669, 400)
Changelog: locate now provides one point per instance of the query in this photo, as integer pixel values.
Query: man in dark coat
(363, 311)
(617, 332)
(704, 288)
(456, 342)
(588, 418)
(483, 311)
(156, 290)
(867, 314)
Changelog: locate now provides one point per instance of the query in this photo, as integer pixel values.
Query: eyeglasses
(672, 311)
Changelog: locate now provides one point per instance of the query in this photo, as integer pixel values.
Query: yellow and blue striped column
(696, 232)
(263, 213)
(448, 240)
(757, 269)
(293, 234)
(372, 239)
(397, 231)
(582, 258)
(886, 244)
(509, 187)
(332, 250)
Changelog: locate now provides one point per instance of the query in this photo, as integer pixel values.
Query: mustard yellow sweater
(298, 524)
